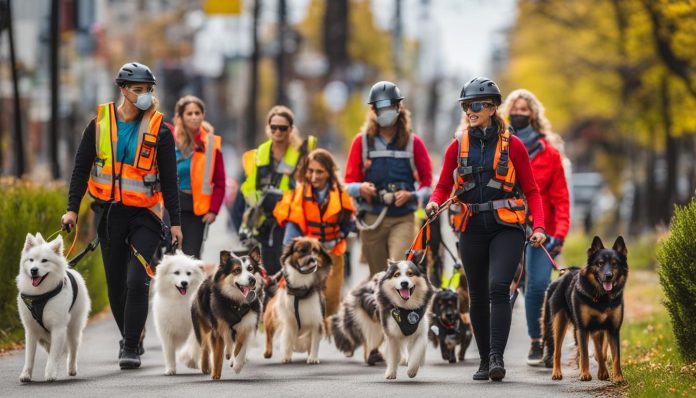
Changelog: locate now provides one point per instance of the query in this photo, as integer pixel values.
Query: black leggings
(192, 226)
(272, 248)
(127, 282)
(490, 257)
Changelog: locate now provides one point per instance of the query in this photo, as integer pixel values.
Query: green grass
(641, 251)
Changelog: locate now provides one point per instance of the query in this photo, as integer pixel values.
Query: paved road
(336, 376)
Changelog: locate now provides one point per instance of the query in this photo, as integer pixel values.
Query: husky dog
(297, 309)
(403, 296)
(176, 282)
(357, 322)
(227, 310)
(53, 304)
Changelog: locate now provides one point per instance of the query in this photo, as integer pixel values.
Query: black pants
(272, 248)
(490, 256)
(127, 282)
(192, 226)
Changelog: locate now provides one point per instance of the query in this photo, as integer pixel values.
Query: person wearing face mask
(320, 208)
(526, 114)
(488, 171)
(126, 160)
(389, 172)
(270, 172)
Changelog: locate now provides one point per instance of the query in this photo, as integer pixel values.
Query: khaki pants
(390, 240)
(334, 285)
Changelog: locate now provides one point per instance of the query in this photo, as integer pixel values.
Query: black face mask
(519, 121)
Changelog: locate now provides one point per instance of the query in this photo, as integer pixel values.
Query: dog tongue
(607, 286)
(405, 293)
(245, 290)
(36, 280)
(182, 290)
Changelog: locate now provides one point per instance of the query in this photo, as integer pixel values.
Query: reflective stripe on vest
(379, 150)
(202, 170)
(133, 185)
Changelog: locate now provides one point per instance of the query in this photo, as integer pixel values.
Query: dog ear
(596, 246)
(418, 257)
(29, 242)
(225, 257)
(255, 255)
(325, 257)
(57, 245)
(620, 246)
(287, 251)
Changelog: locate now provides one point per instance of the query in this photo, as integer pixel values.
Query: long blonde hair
(285, 113)
(403, 126)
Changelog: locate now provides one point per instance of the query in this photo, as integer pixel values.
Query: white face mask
(387, 118)
(144, 101)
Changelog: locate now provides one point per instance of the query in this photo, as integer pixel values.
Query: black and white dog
(448, 327)
(403, 296)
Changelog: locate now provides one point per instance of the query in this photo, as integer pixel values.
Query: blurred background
(617, 77)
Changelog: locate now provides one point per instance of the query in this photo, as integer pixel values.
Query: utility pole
(55, 82)
(397, 37)
(250, 136)
(18, 142)
(281, 95)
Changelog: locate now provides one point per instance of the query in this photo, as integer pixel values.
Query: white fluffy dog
(53, 304)
(177, 279)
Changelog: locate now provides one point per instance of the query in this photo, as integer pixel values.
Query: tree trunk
(250, 136)
(336, 34)
(671, 154)
(18, 142)
(55, 82)
(281, 96)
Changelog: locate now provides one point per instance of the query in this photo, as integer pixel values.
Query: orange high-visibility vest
(133, 185)
(509, 211)
(202, 167)
(300, 207)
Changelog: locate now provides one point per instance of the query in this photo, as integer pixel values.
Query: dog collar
(408, 320)
(36, 303)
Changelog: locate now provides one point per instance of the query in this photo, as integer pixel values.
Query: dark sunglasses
(476, 106)
(281, 127)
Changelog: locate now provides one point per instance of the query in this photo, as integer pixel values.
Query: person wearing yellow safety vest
(320, 208)
(270, 172)
(126, 159)
(200, 169)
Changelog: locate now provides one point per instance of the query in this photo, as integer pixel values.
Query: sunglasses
(280, 127)
(476, 106)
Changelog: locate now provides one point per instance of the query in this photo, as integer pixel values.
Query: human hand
(68, 220)
(209, 218)
(177, 236)
(401, 198)
(431, 208)
(538, 237)
(368, 191)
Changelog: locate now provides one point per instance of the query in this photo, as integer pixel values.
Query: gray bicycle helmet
(134, 72)
(480, 88)
(384, 91)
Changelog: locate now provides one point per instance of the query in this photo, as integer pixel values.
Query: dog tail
(191, 352)
(546, 324)
(344, 342)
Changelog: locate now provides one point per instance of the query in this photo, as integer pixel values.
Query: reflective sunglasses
(476, 106)
(280, 127)
(381, 104)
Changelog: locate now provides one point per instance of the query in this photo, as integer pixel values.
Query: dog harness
(301, 293)
(36, 303)
(408, 320)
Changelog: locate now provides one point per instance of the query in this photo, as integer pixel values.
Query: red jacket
(550, 177)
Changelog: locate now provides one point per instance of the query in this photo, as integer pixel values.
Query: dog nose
(184, 284)
(404, 284)
(34, 271)
(608, 275)
(252, 280)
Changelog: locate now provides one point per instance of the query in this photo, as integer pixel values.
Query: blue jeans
(538, 270)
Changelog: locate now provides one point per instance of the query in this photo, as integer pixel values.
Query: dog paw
(191, 364)
(390, 375)
(169, 372)
(603, 374)
(286, 360)
(412, 372)
(205, 371)
(585, 377)
(556, 375)
(238, 368)
(25, 377)
(313, 361)
(215, 377)
(51, 375)
(72, 373)
(403, 362)
(618, 379)
(268, 354)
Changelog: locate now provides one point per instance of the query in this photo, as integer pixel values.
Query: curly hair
(403, 126)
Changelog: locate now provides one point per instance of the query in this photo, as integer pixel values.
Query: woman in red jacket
(200, 169)
(527, 117)
(491, 175)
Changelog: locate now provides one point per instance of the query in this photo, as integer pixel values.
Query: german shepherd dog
(448, 326)
(297, 309)
(592, 300)
(357, 322)
(403, 296)
(227, 310)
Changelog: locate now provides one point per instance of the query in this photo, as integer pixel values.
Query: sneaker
(129, 360)
(497, 367)
(120, 348)
(536, 354)
(482, 372)
(547, 361)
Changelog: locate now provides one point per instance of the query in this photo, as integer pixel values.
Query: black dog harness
(408, 320)
(301, 293)
(235, 312)
(36, 304)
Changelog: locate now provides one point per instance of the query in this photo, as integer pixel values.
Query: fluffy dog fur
(357, 322)
(305, 267)
(592, 300)
(227, 310)
(42, 268)
(176, 283)
(404, 294)
(449, 328)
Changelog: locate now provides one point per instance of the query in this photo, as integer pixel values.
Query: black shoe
(497, 368)
(482, 372)
(536, 354)
(129, 360)
(141, 349)
(547, 361)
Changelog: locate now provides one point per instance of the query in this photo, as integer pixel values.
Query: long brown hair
(184, 137)
(326, 160)
(403, 126)
(286, 113)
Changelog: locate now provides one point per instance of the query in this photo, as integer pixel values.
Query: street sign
(226, 7)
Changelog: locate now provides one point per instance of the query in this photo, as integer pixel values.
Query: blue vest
(391, 169)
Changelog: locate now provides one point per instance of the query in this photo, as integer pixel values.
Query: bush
(26, 207)
(677, 258)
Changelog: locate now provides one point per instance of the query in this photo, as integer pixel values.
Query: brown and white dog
(297, 309)
(227, 311)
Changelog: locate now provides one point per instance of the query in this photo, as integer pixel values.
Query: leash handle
(68, 229)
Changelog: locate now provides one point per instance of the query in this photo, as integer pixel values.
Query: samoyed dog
(53, 305)
(177, 280)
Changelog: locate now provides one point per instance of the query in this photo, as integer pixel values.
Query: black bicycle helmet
(480, 88)
(384, 90)
(134, 72)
